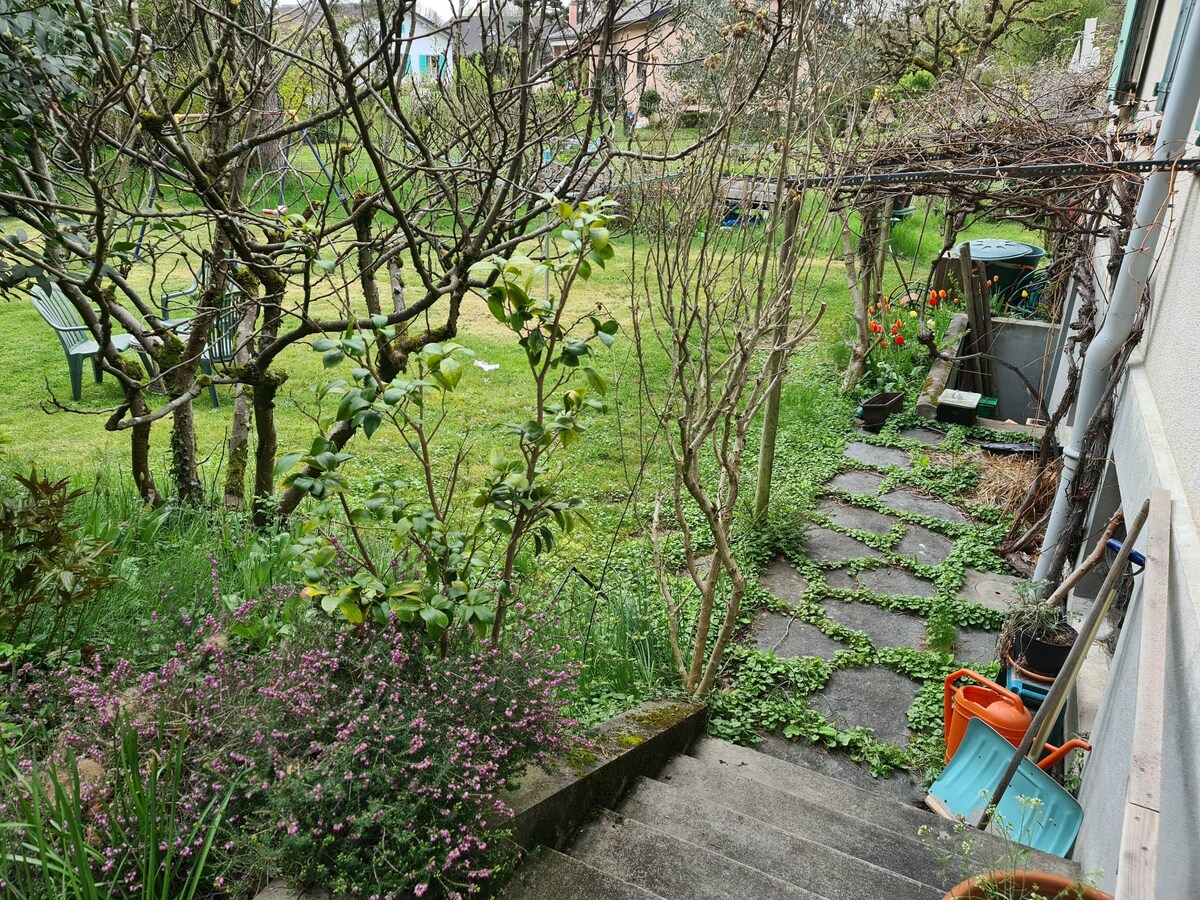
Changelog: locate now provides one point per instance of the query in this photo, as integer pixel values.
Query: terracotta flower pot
(1021, 884)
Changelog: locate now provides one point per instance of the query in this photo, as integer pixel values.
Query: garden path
(883, 593)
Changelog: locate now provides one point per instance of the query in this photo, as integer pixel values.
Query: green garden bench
(77, 340)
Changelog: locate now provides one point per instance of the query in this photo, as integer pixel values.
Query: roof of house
(630, 14)
(309, 12)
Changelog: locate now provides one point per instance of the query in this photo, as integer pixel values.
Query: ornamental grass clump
(354, 761)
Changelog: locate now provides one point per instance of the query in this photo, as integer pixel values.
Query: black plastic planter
(1037, 656)
(876, 410)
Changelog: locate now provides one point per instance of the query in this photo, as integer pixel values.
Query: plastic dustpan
(1035, 811)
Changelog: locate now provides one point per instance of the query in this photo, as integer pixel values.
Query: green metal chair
(223, 335)
(76, 337)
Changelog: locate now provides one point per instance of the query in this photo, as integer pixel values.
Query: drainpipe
(1134, 276)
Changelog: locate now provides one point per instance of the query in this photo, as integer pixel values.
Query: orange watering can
(998, 707)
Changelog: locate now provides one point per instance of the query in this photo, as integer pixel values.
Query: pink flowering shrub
(354, 761)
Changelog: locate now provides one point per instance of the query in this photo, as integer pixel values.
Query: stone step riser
(701, 820)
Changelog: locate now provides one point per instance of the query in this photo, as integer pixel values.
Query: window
(430, 64)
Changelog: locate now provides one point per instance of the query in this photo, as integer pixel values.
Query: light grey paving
(840, 580)
(926, 436)
(788, 637)
(975, 645)
(924, 546)
(856, 481)
(989, 589)
(918, 504)
(875, 697)
(895, 583)
(783, 581)
(848, 516)
(885, 627)
(825, 546)
(879, 457)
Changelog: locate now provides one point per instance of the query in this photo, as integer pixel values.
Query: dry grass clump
(1004, 480)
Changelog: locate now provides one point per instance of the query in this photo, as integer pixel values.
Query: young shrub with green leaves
(441, 553)
(49, 570)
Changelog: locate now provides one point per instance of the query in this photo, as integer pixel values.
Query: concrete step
(811, 786)
(814, 788)
(671, 868)
(894, 847)
(700, 818)
(550, 875)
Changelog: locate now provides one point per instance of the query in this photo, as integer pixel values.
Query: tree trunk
(268, 443)
(862, 334)
(239, 431)
(140, 453)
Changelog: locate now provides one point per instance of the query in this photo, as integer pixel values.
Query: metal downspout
(1140, 253)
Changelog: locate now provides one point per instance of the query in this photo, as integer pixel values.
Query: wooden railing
(1139, 831)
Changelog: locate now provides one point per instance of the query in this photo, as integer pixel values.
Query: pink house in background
(646, 43)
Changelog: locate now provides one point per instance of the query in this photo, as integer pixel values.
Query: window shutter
(1186, 10)
(1129, 51)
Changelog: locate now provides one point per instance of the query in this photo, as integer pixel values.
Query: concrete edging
(551, 803)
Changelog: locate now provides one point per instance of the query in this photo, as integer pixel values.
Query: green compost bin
(1009, 261)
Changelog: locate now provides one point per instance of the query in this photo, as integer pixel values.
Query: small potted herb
(1036, 634)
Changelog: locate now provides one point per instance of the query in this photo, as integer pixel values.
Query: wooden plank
(1139, 831)
(970, 367)
(1139, 853)
(1145, 775)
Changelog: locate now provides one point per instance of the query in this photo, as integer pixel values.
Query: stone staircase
(729, 822)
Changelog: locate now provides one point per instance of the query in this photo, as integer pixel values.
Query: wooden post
(979, 320)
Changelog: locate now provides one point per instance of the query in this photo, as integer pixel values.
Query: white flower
(487, 366)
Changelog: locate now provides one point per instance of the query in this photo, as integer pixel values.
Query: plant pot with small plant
(1024, 885)
(1036, 635)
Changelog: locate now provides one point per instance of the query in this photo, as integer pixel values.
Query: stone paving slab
(903, 786)
(873, 697)
(885, 627)
(895, 583)
(926, 436)
(918, 504)
(788, 637)
(975, 645)
(989, 589)
(856, 517)
(923, 545)
(782, 580)
(840, 580)
(825, 546)
(856, 481)
(879, 457)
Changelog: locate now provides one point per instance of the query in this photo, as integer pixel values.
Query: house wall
(658, 42)
(1156, 443)
(1147, 459)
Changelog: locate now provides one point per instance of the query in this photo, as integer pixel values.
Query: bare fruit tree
(225, 181)
(725, 291)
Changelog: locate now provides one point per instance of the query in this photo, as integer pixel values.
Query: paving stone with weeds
(856, 482)
(879, 457)
(885, 627)
(856, 517)
(788, 637)
(782, 580)
(924, 546)
(875, 697)
(895, 583)
(826, 546)
(906, 500)
(989, 589)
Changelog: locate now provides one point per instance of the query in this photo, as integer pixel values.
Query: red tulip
(899, 340)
